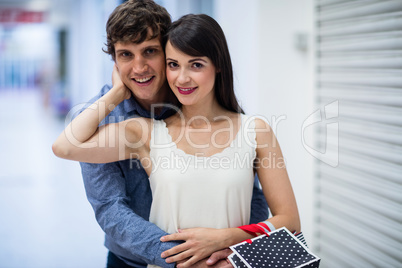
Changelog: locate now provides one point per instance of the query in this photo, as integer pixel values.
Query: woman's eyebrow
(197, 59)
(190, 61)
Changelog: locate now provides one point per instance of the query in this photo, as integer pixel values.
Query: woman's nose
(183, 77)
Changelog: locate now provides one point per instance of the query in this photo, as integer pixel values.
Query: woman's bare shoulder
(138, 121)
(138, 127)
(174, 120)
(261, 122)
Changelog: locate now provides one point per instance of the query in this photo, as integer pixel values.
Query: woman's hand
(118, 83)
(200, 243)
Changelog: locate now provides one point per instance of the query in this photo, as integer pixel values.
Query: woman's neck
(198, 115)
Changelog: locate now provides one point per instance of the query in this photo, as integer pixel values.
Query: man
(120, 192)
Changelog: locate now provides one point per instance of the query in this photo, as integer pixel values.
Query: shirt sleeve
(105, 189)
(259, 206)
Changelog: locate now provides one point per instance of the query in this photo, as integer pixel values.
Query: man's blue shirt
(121, 197)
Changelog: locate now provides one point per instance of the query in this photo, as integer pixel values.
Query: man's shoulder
(103, 91)
(100, 94)
(123, 110)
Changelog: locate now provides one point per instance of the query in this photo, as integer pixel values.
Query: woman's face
(191, 78)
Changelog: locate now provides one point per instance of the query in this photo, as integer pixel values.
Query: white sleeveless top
(190, 191)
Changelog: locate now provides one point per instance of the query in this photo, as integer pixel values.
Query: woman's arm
(84, 141)
(274, 179)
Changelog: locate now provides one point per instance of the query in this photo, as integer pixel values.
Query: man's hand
(217, 258)
(219, 264)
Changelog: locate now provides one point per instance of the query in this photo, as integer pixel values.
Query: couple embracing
(164, 215)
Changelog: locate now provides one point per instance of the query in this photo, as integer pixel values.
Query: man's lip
(186, 90)
(144, 83)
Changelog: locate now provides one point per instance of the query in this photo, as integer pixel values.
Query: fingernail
(163, 255)
(162, 239)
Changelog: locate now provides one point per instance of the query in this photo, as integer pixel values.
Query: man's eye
(126, 54)
(150, 51)
(172, 64)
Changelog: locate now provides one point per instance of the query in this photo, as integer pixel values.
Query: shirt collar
(132, 108)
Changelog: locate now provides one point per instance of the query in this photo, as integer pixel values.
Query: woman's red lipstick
(186, 90)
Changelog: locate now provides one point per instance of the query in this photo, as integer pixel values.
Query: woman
(201, 160)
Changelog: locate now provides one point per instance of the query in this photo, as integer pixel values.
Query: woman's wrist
(234, 236)
(117, 94)
(268, 224)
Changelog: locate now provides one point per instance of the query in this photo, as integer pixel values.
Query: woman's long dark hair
(200, 35)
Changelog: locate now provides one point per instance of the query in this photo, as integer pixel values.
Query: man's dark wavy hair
(130, 21)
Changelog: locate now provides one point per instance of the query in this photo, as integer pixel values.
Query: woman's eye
(197, 65)
(172, 64)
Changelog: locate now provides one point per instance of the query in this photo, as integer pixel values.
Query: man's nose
(140, 65)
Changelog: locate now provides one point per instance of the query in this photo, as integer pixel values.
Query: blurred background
(327, 75)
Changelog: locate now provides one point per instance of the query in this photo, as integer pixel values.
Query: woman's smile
(186, 90)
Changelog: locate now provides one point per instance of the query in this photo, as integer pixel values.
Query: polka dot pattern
(280, 249)
(236, 261)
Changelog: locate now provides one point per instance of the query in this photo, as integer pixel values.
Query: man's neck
(165, 96)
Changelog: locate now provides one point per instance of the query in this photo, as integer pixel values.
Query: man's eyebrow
(153, 47)
(121, 50)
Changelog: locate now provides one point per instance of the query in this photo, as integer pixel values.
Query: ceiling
(34, 5)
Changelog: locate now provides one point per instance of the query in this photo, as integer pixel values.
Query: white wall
(89, 68)
(240, 27)
(275, 78)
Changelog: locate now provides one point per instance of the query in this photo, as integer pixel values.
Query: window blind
(358, 208)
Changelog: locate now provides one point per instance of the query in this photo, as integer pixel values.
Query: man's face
(142, 70)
